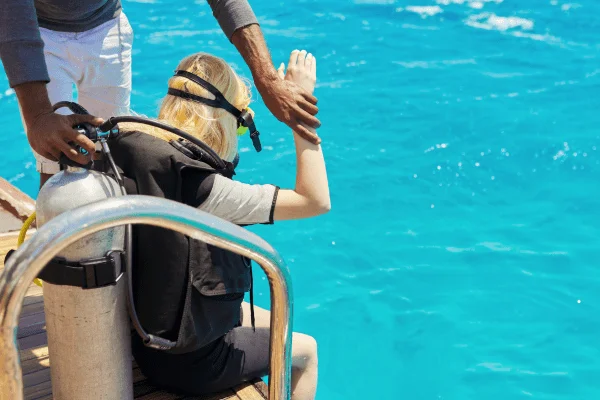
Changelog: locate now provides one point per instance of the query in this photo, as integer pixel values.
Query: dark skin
(50, 134)
(288, 102)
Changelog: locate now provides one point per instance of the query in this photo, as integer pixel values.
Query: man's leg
(105, 88)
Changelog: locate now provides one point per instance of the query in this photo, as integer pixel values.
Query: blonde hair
(214, 126)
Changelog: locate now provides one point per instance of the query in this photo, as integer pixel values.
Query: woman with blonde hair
(186, 291)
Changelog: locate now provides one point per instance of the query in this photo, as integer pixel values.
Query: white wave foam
(477, 4)
(459, 61)
(569, 6)
(494, 246)
(495, 366)
(593, 73)
(334, 84)
(437, 146)
(434, 64)
(535, 91)
(491, 21)
(413, 64)
(562, 153)
(356, 63)
(294, 32)
(537, 37)
(459, 249)
(16, 178)
(269, 22)
(423, 11)
(503, 75)
(420, 28)
(376, 2)
(181, 33)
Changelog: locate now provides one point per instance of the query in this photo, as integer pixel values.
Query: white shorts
(98, 63)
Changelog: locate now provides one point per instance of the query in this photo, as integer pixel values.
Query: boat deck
(36, 363)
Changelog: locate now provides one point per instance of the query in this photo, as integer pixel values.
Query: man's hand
(302, 71)
(292, 105)
(288, 102)
(50, 134)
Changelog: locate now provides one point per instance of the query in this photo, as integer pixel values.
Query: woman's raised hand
(302, 70)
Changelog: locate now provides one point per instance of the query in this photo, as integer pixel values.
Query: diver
(187, 291)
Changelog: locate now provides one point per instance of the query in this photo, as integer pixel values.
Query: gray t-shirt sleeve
(239, 202)
(232, 14)
(21, 46)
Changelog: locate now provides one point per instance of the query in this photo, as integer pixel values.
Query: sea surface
(462, 142)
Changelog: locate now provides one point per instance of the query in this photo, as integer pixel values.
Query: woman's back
(168, 264)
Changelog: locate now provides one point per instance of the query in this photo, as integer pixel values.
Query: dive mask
(244, 117)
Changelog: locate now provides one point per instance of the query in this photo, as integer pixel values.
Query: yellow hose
(21, 239)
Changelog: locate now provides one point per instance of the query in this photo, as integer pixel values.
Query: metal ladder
(25, 264)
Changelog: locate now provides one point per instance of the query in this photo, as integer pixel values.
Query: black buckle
(246, 119)
(256, 141)
(104, 271)
(87, 274)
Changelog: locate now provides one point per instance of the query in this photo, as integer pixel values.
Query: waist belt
(87, 274)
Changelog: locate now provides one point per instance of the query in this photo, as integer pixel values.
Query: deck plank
(35, 360)
(249, 392)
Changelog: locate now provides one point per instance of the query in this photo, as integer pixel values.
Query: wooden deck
(36, 362)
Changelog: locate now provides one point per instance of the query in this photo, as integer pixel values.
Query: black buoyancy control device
(107, 270)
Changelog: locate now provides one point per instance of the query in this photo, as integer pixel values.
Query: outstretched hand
(291, 99)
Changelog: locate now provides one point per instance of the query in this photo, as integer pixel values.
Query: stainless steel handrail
(25, 264)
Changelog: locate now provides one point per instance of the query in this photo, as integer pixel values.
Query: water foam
(491, 21)
(376, 2)
(434, 63)
(476, 4)
(423, 11)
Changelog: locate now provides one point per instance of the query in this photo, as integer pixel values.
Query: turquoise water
(462, 145)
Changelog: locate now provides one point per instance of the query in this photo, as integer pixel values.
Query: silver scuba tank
(88, 329)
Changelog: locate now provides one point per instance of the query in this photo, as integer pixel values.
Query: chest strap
(87, 274)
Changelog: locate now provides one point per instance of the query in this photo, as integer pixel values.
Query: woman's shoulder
(137, 140)
(142, 148)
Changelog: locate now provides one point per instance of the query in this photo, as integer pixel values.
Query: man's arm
(22, 53)
(287, 101)
(21, 46)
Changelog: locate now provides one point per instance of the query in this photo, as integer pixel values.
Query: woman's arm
(311, 194)
(241, 203)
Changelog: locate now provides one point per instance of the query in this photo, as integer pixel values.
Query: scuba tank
(84, 298)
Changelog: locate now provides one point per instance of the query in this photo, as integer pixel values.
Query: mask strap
(209, 102)
(244, 118)
(219, 102)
